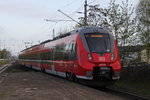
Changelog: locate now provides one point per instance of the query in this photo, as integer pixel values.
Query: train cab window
(98, 43)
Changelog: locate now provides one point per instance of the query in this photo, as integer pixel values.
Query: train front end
(98, 56)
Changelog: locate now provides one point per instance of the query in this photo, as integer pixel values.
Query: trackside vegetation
(135, 80)
(3, 62)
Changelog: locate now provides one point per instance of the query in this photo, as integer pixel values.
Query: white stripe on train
(62, 74)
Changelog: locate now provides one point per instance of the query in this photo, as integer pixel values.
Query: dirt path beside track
(21, 83)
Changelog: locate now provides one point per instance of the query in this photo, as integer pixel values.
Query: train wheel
(67, 75)
(70, 76)
(43, 70)
(76, 79)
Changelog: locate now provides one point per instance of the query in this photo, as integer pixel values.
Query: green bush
(2, 62)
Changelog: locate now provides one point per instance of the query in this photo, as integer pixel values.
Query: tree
(4, 54)
(106, 18)
(113, 18)
(117, 18)
(94, 17)
(143, 15)
(128, 27)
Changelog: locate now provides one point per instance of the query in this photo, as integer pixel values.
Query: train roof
(91, 29)
(85, 29)
(46, 41)
(29, 48)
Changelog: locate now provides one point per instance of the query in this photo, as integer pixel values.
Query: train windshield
(98, 43)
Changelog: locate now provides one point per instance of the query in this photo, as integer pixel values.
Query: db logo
(101, 58)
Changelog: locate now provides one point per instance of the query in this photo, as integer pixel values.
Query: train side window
(57, 53)
(30, 57)
(51, 55)
(41, 55)
(45, 56)
(73, 52)
(53, 52)
(67, 48)
(66, 52)
(57, 50)
(70, 47)
(48, 55)
(35, 56)
(63, 52)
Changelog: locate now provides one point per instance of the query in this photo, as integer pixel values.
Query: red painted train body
(88, 53)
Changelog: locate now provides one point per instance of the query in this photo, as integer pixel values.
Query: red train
(88, 53)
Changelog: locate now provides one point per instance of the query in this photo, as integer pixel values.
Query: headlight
(90, 57)
(112, 56)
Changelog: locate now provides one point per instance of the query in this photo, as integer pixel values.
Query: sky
(24, 21)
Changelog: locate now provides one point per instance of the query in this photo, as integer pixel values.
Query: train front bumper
(101, 73)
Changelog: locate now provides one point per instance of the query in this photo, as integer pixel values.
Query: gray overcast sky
(23, 20)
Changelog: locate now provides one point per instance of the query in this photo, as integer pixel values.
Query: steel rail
(128, 94)
(3, 68)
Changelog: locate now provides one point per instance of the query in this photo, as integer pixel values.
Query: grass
(16, 70)
(2, 95)
(135, 80)
(138, 87)
(3, 62)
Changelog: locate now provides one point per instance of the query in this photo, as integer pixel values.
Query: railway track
(127, 94)
(120, 93)
(3, 68)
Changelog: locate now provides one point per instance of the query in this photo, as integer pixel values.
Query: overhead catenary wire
(69, 17)
(91, 2)
(67, 5)
(63, 19)
(75, 12)
(54, 14)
